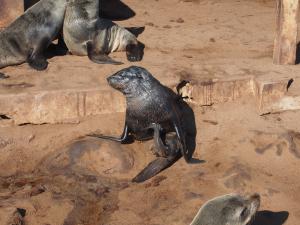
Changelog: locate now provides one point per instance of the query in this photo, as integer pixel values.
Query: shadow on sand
(109, 9)
(270, 218)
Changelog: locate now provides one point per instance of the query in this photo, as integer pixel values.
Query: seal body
(31, 33)
(230, 209)
(150, 103)
(87, 34)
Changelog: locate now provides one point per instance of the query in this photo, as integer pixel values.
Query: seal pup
(148, 102)
(30, 34)
(85, 33)
(228, 209)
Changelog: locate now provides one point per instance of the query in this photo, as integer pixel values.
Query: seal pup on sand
(231, 209)
(87, 34)
(148, 103)
(30, 34)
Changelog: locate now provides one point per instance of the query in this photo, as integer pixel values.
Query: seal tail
(155, 167)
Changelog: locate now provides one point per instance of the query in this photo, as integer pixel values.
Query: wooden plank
(9, 11)
(286, 32)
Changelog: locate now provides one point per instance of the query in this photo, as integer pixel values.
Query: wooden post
(286, 32)
(9, 11)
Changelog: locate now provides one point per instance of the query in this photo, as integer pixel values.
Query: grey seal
(85, 33)
(228, 209)
(152, 109)
(30, 34)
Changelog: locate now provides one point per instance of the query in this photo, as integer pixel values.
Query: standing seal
(229, 209)
(151, 107)
(30, 34)
(87, 34)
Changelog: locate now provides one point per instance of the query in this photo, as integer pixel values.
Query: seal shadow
(59, 49)
(109, 9)
(29, 3)
(266, 217)
(115, 10)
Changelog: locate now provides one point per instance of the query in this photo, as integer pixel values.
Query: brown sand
(61, 178)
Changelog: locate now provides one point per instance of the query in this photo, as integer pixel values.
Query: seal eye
(139, 76)
(244, 212)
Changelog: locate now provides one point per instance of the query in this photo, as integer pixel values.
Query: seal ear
(136, 31)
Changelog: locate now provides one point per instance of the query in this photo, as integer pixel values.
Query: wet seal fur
(228, 209)
(152, 109)
(85, 33)
(30, 34)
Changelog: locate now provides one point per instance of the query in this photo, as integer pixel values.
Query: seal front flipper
(155, 167)
(36, 58)
(124, 139)
(100, 58)
(160, 149)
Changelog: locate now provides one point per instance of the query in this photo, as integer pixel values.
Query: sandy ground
(60, 177)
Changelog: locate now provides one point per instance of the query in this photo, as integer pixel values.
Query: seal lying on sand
(87, 34)
(229, 209)
(148, 102)
(30, 34)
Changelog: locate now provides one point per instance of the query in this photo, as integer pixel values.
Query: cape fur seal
(231, 209)
(30, 34)
(87, 34)
(148, 103)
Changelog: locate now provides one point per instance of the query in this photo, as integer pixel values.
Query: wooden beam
(9, 11)
(286, 32)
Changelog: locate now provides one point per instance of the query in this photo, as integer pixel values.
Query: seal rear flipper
(100, 58)
(155, 167)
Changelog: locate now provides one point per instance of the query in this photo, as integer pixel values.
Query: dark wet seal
(3, 76)
(165, 117)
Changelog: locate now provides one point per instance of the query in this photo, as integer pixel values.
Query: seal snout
(255, 199)
(116, 80)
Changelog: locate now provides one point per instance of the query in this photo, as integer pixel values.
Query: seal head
(132, 81)
(230, 209)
